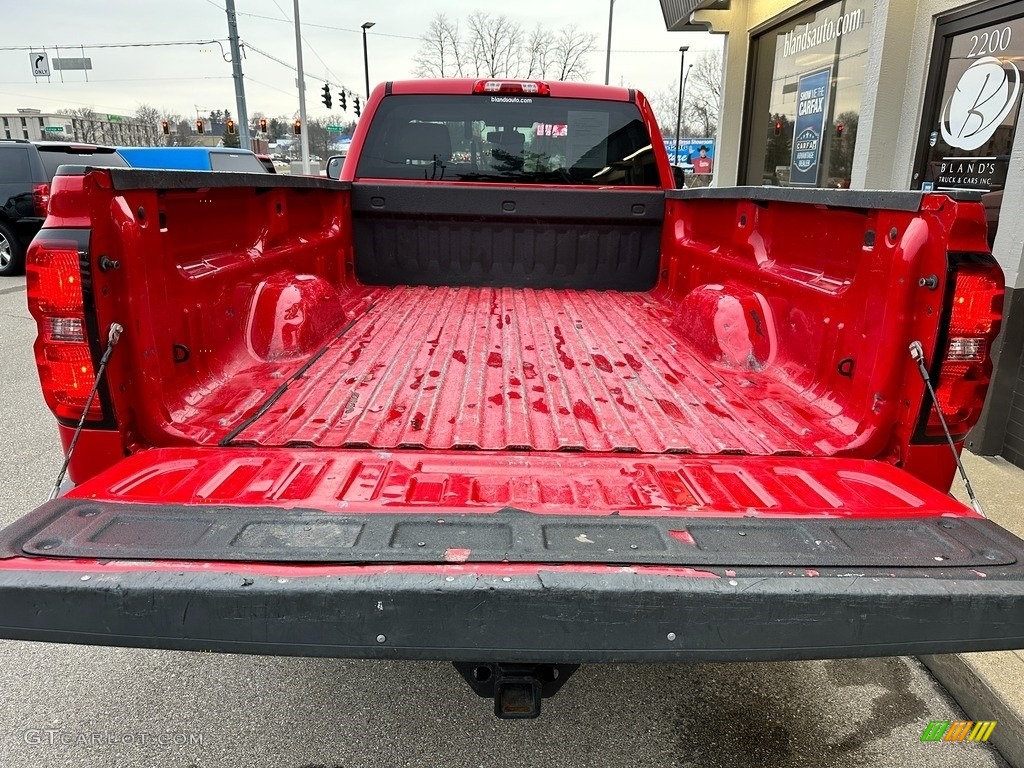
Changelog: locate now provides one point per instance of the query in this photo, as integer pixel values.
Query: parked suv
(26, 170)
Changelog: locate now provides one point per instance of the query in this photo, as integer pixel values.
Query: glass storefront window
(973, 108)
(805, 97)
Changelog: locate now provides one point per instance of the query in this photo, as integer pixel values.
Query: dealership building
(884, 94)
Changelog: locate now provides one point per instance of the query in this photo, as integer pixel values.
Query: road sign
(53, 129)
(40, 64)
(114, 118)
(65, 65)
(334, 128)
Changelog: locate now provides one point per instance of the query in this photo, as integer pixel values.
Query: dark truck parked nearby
(26, 170)
(502, 396)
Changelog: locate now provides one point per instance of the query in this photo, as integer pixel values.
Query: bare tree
(538, 52)
(319, 137)
(570, 51)
(704, 92)
(150, 115)
(183, 136)
(702, 100)
(84, 121)
(665, 104)
(494, 43)
(496, 46)
(440, 53)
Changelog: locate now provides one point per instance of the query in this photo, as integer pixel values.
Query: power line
(268, 85)
(675, 51)
(326, 26)
(292, 67)
(307, 43)
(134, 79)
(153, 44)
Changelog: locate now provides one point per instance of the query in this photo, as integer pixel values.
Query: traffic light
(778, 127)
(341, 101)
(165, 127)
(355, 106)
(231, 127)
(199, 127)
(297, 128)
(839, 130)
(327, 96)
(263, 125)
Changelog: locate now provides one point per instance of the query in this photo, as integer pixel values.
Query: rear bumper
(566, 614)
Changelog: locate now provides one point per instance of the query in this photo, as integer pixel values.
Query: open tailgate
(511, 557)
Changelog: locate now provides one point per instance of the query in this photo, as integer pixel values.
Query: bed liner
(521, 369)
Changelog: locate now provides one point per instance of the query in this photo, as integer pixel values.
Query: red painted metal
(103, 449)
(367, 482)
(456, 85)
(739, 349)
(495, 369)
(769, 333)
(829, 297)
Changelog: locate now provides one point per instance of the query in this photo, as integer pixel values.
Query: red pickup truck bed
(539, 370)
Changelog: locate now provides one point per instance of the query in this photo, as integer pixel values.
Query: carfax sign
(809, 129)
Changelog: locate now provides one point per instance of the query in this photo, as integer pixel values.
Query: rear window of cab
(508, 138)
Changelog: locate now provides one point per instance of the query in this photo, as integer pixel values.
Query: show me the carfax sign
(808, 131)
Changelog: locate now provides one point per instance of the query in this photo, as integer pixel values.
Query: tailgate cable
(112, 338)
(917, 353)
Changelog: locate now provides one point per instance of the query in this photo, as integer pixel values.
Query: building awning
(677, 12)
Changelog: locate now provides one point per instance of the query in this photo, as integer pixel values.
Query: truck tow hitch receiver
(517, 689)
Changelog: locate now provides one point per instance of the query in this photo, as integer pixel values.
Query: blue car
(194, 159)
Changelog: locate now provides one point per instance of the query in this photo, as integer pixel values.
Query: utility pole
(608, 54)
(302, 92)
(236, 73)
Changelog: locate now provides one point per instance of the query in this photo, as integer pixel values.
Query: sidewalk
(990, 686)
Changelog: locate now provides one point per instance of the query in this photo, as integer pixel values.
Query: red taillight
(966, 365)
(41, 199)
(53, 277)
(63, 356)
(527, 87)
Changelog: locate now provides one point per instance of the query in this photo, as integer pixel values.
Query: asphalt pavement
(96, 707)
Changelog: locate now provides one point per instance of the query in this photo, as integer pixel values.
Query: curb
(980, 701)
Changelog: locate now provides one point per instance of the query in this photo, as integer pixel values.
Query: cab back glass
(506, 138)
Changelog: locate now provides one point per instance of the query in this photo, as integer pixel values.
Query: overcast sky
(184, 78)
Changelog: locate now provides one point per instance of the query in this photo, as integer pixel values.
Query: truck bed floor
(545, 370)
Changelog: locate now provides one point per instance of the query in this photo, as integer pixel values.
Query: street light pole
(302, 93)
(682, 97)
(679, 112)
(608, 54)
(366, 58)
